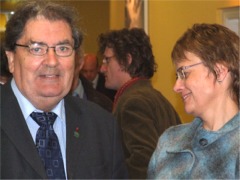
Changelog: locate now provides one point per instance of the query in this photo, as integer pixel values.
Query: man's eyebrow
(64, 42)
(37, 42)
(43, 43)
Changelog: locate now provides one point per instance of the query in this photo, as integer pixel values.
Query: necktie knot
(44, 119)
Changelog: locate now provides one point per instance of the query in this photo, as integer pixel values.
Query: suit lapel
(75, 141)
(14, 125)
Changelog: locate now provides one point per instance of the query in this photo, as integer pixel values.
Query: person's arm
(134, 9)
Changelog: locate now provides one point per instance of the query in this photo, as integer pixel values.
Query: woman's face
(198, 89)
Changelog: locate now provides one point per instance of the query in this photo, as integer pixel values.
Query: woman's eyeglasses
(181, 71)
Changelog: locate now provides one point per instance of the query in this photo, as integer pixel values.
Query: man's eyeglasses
(106, 60)
(181, 71)
(61, 50)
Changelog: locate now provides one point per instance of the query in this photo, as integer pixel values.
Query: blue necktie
(48, 145)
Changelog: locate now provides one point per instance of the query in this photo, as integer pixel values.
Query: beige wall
(167, 20)
(94, 19)
(117, 14)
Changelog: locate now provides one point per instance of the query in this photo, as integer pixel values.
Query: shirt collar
(94, 82)
(27, 107)
(79, 90)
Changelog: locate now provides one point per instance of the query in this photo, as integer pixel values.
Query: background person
(41, 39)
(5, 75)
(207, 62)
(143, 113)
(82, 88)
(90, 71)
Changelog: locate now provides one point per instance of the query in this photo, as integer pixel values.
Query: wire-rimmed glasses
(106, 60)
(181, 71)
(61, 50)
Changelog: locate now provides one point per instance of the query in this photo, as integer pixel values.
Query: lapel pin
(76, 133)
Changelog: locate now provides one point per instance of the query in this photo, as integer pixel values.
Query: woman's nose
(178, 86)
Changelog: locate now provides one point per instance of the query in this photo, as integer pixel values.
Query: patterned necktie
(48, 145)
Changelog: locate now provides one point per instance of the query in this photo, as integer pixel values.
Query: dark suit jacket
(96, 153)
(95, 96)
(102, 89)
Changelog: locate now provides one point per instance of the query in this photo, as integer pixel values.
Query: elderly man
(44, 132)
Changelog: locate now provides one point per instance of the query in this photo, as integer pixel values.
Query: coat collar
(191, 131)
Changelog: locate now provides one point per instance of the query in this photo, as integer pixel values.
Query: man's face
(115, 77)
(90, 67)
(43, 80)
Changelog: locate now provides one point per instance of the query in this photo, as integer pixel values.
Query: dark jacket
(95, 96)
(95, 154)
(102, 89)
(143, 114)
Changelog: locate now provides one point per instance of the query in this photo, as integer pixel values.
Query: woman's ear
(10, 57)
(221, 72)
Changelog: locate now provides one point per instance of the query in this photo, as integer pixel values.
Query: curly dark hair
(134, 42)
(27, 10)
(212, 43)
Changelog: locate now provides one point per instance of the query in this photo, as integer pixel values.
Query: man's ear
(129, 58)
(10, 56)
(221, 71)
(81, 64)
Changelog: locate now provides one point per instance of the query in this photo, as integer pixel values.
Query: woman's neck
(219, 116)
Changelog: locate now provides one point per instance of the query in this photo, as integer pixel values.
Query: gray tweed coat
(189, 152)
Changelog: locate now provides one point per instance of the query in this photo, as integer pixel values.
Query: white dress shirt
(95, 81)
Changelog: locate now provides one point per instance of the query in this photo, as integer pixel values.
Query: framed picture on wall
(136, 14)
(230, 18)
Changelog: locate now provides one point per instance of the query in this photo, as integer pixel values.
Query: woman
(207, 62)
